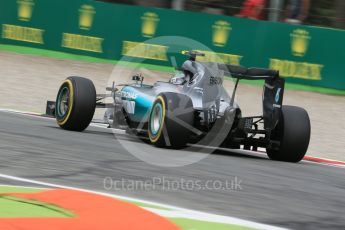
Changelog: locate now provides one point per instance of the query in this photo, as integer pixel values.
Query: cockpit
(188, 73)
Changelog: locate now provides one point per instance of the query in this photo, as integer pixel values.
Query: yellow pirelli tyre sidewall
(155, 138)
(69, 83)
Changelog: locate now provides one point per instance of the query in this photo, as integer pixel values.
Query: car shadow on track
(232, 152)
(238, 153)
(107, 134)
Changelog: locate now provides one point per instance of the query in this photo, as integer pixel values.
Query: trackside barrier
(303, 54)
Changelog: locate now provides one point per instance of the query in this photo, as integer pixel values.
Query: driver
(181, 78)
(189, 70)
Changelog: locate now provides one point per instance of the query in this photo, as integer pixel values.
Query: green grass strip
(188, 224)
(12, 189)
(14, 207)
(75, 57)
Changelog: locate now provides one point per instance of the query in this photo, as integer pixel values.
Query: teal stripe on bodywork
(143, 104)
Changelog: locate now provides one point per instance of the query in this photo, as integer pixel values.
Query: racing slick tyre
(171, 120)
(75, 104)
(293, 132)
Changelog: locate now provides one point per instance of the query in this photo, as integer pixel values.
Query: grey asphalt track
(297, 196)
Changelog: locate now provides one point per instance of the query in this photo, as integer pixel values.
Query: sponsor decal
(294, 69)
(129, 95)
(128, 101)
(221, 32)
(231, 59)
(145, 50)
(216, 80)
(277, 97)
(300, 39)
(149, 24)
(86, 14)
(25, 9)
(83, 42)
(23, 33)
(299, 42)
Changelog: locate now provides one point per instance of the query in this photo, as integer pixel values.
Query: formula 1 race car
(192, 107)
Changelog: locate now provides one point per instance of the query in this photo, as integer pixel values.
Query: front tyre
(293, 132)
(75, 104)
(171, 120)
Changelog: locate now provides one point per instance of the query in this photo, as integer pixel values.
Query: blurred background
(327, 13)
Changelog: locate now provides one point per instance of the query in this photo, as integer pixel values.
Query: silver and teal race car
(193, 107)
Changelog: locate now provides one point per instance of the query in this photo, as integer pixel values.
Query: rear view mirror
(138, 78)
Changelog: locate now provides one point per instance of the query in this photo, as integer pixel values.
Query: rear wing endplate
(272, 93)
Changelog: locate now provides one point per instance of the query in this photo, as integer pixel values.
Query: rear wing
(241, 72)
(272, 93)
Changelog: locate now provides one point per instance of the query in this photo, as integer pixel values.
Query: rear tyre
(75, 104)
(293, 132)
(171, 120)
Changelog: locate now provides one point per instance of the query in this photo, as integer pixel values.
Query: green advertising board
(303, 54)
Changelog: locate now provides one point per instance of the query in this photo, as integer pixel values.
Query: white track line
(177, 211)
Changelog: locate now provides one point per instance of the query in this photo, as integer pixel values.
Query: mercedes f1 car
(192, 107)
